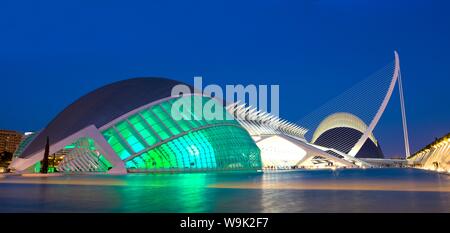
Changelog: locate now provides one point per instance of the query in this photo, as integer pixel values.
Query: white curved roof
(101, 106)
(341, 119)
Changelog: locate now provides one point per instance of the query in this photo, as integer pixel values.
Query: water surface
(350, 190)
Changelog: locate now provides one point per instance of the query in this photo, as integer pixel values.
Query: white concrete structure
(283, 145)
(435, 156)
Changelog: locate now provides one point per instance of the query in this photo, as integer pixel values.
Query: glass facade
(153, 140)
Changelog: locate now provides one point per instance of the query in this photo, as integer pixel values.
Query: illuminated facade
(283, 144)
(280, 153)
(435, 156)
(128, 127)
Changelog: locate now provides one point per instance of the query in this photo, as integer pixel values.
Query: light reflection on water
(371, 190)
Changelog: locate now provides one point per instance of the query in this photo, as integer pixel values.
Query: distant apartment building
(9, 140)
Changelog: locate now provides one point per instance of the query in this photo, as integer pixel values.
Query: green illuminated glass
(104, 162)
(159, 142)
(196, 111)
(156, 125)
(127, 133)
(165, 119)
(71, 146)
(115, 142)
(37, 167)
(143, 130)
(187, 114)
(207, 149)
(183, 124)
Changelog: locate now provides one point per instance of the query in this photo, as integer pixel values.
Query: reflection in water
(371, 190)
(181, 193)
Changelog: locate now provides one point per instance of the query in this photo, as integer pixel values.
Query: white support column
(402, 106)
(380, 111)
(106, 150)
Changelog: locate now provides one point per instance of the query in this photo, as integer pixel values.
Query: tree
(44, 162)
(5, 158)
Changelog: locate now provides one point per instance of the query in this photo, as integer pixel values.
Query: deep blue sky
(52, 52)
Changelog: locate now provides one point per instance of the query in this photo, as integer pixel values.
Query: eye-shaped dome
(341, 131)
(130, 126)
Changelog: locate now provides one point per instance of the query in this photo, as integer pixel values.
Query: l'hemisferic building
(127, 126)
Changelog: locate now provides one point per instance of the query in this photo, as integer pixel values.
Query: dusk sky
(53, 52)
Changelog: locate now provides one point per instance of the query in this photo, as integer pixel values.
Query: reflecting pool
(349, 190)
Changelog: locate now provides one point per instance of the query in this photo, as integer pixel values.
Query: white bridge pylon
(263, 126)
(396, 77)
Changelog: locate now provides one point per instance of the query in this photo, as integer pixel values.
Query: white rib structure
(260, 123)
(82, 158)
(435, 156)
